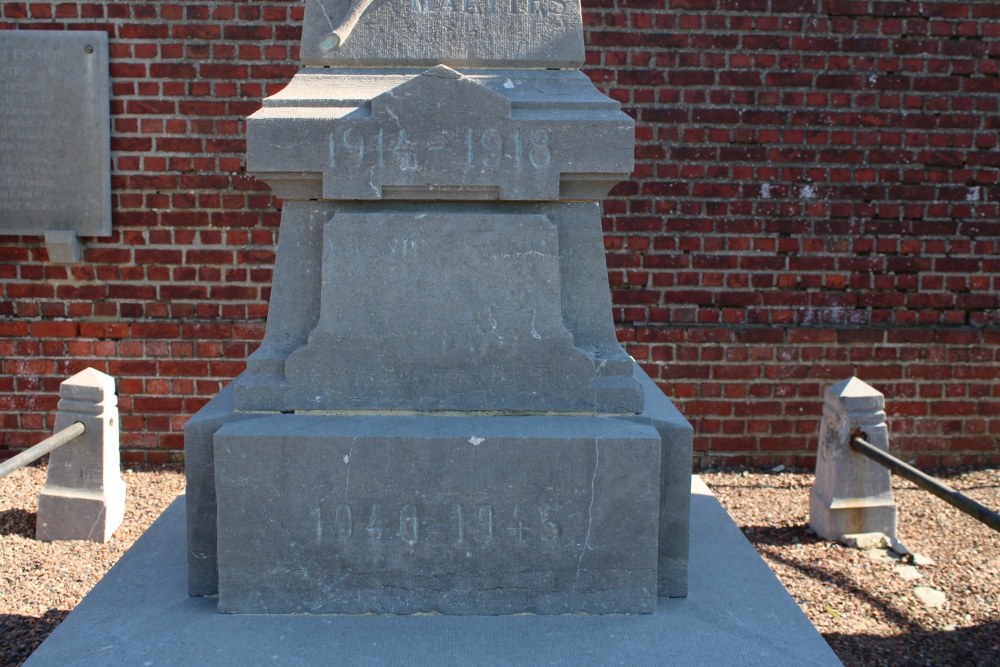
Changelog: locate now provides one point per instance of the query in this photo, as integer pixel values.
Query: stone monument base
(78, 514)
(437, 514)
(737, 613)
(449, 514)
(842, 517)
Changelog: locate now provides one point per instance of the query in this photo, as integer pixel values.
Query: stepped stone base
(538, 483)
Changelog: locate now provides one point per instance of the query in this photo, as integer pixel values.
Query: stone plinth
(282, 440)
(457, 515)
(738, 613)
(501, 276)
(852, 494)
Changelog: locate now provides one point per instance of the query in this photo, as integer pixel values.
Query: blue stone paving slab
(737, 613)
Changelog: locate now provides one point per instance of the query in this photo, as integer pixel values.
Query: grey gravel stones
(931, 597)
(907, 572)
(865, 540)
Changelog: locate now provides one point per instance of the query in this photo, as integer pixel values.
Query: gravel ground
(865, 603)
(41, 582)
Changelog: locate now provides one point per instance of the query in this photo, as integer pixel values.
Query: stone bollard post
(84, 495)
(852, 494)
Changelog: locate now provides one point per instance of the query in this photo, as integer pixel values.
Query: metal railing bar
(54, 441)
(946, 493)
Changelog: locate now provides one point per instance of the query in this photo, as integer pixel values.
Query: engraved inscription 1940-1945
(458, 524)
(487, 523)
(55, 159)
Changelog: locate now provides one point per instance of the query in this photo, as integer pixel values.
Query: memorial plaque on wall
(55, 161)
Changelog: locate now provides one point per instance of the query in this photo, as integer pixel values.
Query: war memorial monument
(440, 454)
(439, 418)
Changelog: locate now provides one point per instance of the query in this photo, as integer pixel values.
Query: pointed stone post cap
(857, 395)
(89, 385)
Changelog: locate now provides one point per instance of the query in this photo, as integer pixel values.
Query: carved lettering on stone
(54, 133)
(458, 33)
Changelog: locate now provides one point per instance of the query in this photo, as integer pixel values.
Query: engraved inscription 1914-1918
(352, 149)
(485, 149)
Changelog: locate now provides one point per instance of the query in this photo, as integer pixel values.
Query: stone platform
(736, 613)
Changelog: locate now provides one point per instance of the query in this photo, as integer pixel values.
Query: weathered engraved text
(54, 133)
(458, 33)
(480, 523)
(455, 514)
(484, 151)
(532, 8)
(353, 150)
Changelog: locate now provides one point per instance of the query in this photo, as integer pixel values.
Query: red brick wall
(815, 195)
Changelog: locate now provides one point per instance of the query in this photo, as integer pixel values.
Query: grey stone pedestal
(305, 513)
(460, 430)
(84, 495)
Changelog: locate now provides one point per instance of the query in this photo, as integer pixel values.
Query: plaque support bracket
(63, 246)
